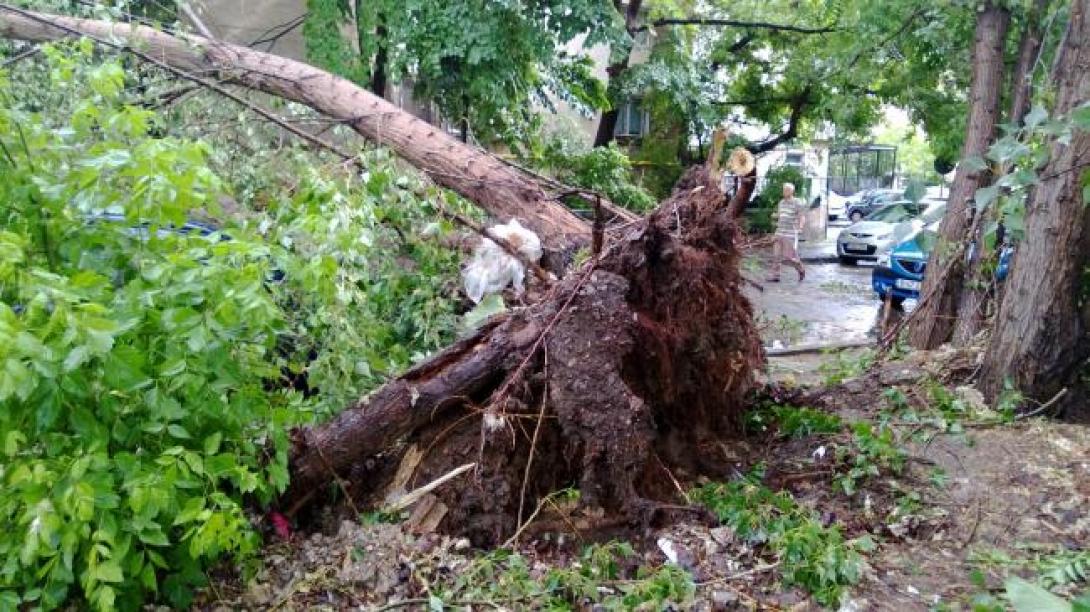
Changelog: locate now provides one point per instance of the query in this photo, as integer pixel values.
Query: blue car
(899, 273)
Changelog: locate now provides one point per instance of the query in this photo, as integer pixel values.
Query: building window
(632, 121)
(793, 159)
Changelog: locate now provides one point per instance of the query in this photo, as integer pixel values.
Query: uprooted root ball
(630, 370)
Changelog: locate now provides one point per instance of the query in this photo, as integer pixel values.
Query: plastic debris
(492, 269)
(280, 525)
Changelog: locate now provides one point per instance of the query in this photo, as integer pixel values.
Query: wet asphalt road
(834, 304)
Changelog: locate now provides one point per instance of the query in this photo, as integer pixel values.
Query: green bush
(604, 169)
(140, 415)
(772, 191)
(760, 215)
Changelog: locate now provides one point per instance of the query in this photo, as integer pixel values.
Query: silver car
(884, 228)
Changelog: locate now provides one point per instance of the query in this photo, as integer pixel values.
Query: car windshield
(891, 214)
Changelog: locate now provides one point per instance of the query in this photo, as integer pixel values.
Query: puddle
(834, 304)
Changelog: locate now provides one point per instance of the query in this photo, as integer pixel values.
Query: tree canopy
(487, 65)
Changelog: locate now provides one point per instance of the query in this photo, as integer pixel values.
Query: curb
(818, 348)
(819, 258)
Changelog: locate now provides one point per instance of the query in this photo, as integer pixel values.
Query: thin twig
(976, 524)
(21, 56)
(186, 75)
(337, 477)
(760, 569)
(423, 601)
(502, 391)
(533, 441)
(1043, 407)
(188, 11)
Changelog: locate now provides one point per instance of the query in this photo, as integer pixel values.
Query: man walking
(789, 218)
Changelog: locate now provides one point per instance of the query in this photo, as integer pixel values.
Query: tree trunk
(1028, 50)
(1039, 343)
(640, 360)
(943, 282)
(503, 190)
(975, 294)
(608, 122)
(378, 71)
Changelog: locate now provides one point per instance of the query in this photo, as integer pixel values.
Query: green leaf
(178, 431)
(76, 357)
(12, 442)
(1080, 117)
(492, 304)
(1036, 116)
(212, 443)
(974, 163)
(108, 571)
(1028, 597)
(985, 196)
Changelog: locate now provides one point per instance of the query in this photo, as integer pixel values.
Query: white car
(883, 229)
(838, 205)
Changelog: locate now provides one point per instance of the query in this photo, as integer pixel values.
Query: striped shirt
(787, 213)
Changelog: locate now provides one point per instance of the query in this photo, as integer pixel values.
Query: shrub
(760, 215)
(604, 169)
(139, 412)
(772, 191)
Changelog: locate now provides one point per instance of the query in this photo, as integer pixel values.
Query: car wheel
(847, 261)
(856, 216)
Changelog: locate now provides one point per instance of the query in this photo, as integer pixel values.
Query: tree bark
(943, 282)
(503, 190)
(974, 299)
(1039, 343)
(1028, 50)
(608, 122)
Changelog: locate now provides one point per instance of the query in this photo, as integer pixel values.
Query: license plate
(904, 283)
(855, 246)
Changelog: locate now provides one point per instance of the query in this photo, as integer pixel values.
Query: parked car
(141, 230)
(838, 206)
(900, 272)
(871, 202)
(885, 227)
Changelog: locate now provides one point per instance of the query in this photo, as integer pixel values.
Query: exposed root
(651, 350)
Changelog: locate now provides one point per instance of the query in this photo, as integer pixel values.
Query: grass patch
(792, 421)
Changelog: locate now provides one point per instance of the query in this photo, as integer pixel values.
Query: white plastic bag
(491, 269)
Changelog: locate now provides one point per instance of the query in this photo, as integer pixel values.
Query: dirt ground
(1010, 490)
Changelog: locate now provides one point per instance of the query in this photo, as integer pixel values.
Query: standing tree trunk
(503, 190)
(1040, 341)
(976, 292)
(1028, 51)
(943, 283)
(378, 72)
(608, 122)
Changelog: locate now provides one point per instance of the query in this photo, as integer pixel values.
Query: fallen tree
(629, 370)
(504, 190)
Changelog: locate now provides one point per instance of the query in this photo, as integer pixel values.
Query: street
(835, 304)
